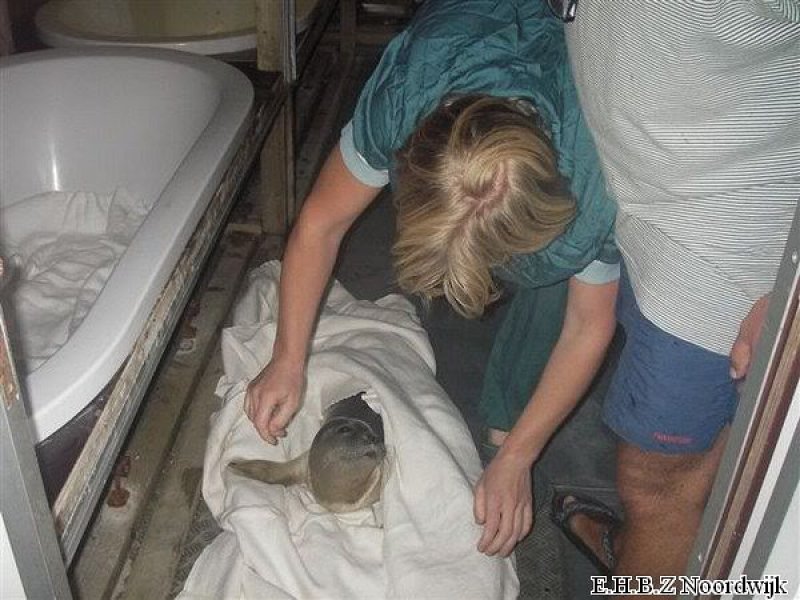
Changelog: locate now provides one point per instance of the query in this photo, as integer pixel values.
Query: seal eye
(344, 429)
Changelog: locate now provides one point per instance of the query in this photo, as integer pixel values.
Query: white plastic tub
(161, 125)
(209, 27)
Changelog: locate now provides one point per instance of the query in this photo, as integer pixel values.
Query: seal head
(344, 466)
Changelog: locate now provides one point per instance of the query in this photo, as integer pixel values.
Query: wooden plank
(275, 37)
(9, 385)
(347, 28)
(274, 180)
(269, 35)
(292, 205)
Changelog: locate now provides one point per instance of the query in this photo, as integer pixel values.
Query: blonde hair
(477, 183)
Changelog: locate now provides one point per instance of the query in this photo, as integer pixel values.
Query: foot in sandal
(590, 525)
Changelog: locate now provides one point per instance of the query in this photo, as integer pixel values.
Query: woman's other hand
(504, 504)
(273, 398)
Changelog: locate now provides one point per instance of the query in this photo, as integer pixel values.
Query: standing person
(695, 109)
(473, 117)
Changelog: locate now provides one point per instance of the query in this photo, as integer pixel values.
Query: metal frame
(26, 513)
(761, 415)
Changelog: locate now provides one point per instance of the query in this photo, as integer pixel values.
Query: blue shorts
(667, 395)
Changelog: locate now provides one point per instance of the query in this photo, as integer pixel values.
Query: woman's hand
(273, 398)
(504, 504)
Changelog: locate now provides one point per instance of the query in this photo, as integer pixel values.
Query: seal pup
(344, 465)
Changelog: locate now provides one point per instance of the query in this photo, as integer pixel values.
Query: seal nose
(368, 437)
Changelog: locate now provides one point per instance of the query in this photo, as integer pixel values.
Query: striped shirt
(695, 110)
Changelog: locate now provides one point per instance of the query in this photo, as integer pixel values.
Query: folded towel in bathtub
(418, 542)
(62, 248)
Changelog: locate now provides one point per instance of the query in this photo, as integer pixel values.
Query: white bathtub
(162, 125)
(209, 27)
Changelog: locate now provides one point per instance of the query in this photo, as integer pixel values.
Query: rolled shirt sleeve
(357, 164)
(599, 273)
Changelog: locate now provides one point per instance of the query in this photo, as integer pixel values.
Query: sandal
(595, 509)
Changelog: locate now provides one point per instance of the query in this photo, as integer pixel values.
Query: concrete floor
(172, 527)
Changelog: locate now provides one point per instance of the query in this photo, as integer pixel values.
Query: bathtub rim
(54, 393)
(54, 33)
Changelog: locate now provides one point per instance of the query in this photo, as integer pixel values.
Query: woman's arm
(336, 199)
(503, 500)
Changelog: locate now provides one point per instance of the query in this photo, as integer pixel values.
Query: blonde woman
(473, 117)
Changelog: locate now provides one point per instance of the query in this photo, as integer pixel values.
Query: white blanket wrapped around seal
(418, 542)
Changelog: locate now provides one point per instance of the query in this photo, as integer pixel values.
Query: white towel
(418, 542)
(61, 248)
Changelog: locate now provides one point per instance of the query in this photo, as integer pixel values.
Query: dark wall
(22, 13)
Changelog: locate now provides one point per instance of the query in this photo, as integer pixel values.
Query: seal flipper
(285, 473)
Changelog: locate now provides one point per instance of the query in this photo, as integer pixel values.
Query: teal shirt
(508, 48)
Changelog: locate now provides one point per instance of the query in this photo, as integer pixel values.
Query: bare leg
(664, 496)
